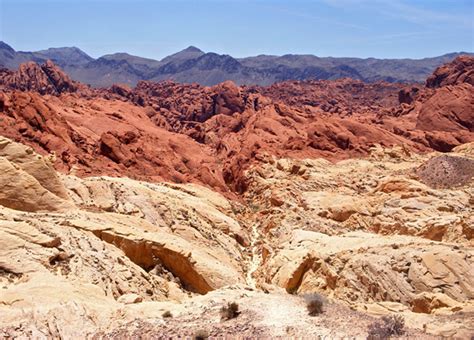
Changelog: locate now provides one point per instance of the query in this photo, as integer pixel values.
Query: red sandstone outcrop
(460, 70)
(330, 187)
(44, 79)
(449, 109)
(106, 137)
(441, 115)
(167, 130)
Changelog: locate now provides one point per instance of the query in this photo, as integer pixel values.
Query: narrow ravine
(255, 259)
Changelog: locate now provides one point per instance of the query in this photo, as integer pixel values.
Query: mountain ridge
(208, 68)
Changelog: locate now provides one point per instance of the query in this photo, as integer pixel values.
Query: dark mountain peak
(5, 46)
(110, 60)
(216, 56)
(209, 61)
(65, 55)
(188, 53)
(457, 54)
(192, 49)
(64, 50)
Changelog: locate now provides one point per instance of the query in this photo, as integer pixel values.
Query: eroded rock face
(41, 168)
(28, 181)
(228, 99)
(231, 193)
(94, 137)
(460, 70)
(379, 194)
(164, 131)
(45, 79)
(363, 268)
(199, 247)
(192, 233)
(367, 231)
(21, 191)
(434, 114)
(119, 239)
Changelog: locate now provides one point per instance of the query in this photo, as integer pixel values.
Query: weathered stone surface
(22, 191)
(134, 256)
(122, 240)
(41, 168)
(460, 70)
(45, 79)
(165, 131)
(367, 232)
(360, 267)
(130, 298)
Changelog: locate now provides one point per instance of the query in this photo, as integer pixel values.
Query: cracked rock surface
(105, 246)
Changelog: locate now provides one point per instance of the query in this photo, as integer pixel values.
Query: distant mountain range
(193, 65)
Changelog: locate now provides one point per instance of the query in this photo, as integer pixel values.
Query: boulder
(22, 191)
(41, 168)
(128, 299)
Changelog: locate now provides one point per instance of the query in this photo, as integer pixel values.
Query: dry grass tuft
(390, 325)
(167, 314)
(201, 334)
(314, 304)
(230, 311)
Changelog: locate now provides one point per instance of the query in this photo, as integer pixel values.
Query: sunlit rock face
(135, 212)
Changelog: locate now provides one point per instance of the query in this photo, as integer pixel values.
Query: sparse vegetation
(254, 207)
(389, 325)
(201, 334)
(230, 311)
(167, 314)
(314, 304)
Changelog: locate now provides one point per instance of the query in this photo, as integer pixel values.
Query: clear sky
(154, 29)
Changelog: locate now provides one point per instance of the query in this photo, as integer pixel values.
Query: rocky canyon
(142, 212)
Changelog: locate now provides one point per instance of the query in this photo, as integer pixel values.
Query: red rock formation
(44, 79)
(408, 95)
(451, 108)
(460, 70)
(211, 135)
(441, 115)
(59, 79)
(112, 137)
(343, 97)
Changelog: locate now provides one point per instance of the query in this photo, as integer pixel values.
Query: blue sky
(154, 29)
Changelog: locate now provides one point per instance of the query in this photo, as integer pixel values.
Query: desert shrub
(388, 326)
(167, 314)
(230, 311)
(201, 334)
(254, 207)
(314, 304)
